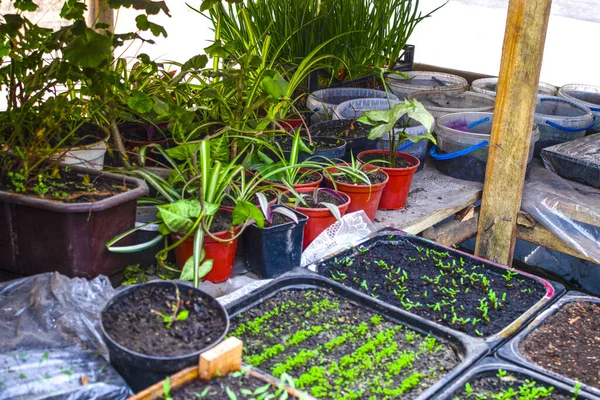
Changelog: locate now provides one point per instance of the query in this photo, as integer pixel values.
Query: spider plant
(269, 211)
(296, 199)
(386, 122)
(357, 172)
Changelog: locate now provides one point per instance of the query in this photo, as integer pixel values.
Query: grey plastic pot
(39, 235)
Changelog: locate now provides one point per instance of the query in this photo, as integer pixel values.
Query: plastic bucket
(463, 155)
(89, 156)
(323, 102)
(442, 103)
(425, 81)
(560, 120)
(586, 95)
(418, 150)
(353, 109)
(489, 86)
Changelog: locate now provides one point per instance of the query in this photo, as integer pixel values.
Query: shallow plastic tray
(491, 364)
(577, 160)
(510, 351)
(470, 349)
(553, 289)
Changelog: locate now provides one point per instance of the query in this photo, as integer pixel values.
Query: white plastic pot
(441, 103)
(586, 95)
(323, 102)
(90, 156)
(489, 86)
(425, 81)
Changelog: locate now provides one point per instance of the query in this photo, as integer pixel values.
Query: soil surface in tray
(241, 385)
(568, 343)
(508, 386)
(378, 177)
(371, 157)
(344, 129)
(337, 350)
(449, 290)
(132, 323)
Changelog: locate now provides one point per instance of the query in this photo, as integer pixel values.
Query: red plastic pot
(396, 191)
(319, 219)
(230, 208)
(362, 197)
(222, 254)
(311, 185)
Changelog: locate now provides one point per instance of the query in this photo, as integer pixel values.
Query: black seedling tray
(510, 351)
(553, 289)
(470, 349)
(492, 365)
(577, 160)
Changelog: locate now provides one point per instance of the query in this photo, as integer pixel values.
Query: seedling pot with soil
(353, 132)
(40, 235)
(337, 344)
(274, 249)
(322, 147)
(309, 181)
(319, 217)
(222, 253)
(158, 328)
(440, 284)
(563, 343)
(362, 197)
(494, 377)
(396, 191)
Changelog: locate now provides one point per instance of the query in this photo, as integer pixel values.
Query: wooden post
(522, 53)
(100, 12)
(221, 360)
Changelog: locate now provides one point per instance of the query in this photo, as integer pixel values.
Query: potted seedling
(400, 167)
(361, 183)
(158, 328)
(356, 134)
(274, 245)
(322, 206)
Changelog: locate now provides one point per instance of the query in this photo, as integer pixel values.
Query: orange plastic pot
(396, 191)
(319, 219)
(362, 197)
(222, 254)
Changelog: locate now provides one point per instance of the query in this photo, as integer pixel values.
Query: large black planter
(39, 235)
(274, 250)
(141, 370)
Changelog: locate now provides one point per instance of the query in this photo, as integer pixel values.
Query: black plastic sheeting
(50, 345)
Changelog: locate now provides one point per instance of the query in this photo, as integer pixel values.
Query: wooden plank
(433, 198)
(522, 53)
(221, 359)
(100, 12)
(531, 231)
(155, 391)
(454, 232)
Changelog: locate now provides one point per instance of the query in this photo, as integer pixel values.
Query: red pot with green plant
(322, 206)
(363, 185)
(400, 167)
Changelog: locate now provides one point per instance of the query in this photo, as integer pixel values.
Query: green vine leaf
(140, 102)
(88, 49)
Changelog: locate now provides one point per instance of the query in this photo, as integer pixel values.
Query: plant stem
(116, 135)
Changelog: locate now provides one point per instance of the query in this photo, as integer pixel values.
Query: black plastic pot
(274, 250)
(553, 289)
(141, 370)
(354, 146)
(470, 349)
(510, 351)
(319, 154)
(576, 160)
(39, 235)
(147, 257)
(489, 367)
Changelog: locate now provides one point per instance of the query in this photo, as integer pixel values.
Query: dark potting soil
(568, 343)
(336, 349)
(343, 129)
(278, 219)
(449, 290)
(375, 178)
(70, 187)
(370, 157)
(322, 197)
(132, 323)
(241, 385)
(310, 178)
(221, 222)
(508, 386)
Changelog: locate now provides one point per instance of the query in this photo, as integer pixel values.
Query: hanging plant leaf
(144, 24)
(88, 49)
(140, 102)
(275, 85)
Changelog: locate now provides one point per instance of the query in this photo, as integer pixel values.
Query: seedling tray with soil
(494, 379)
(159, 328)
(340, 345)
(440, 284)
(563, 342)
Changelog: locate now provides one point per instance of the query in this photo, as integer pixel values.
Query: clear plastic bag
(50, 344)
(351, 229)
(556, 203)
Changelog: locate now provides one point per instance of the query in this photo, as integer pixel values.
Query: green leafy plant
(176, 313)
(385, 122)
(296, 199)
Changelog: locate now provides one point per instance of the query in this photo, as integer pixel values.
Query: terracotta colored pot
(363, 197)
(311, 185)
(271, 203)
(396, 191)
(223, 254)
(319, 219)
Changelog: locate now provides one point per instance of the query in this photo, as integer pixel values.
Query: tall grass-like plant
(368, 33)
